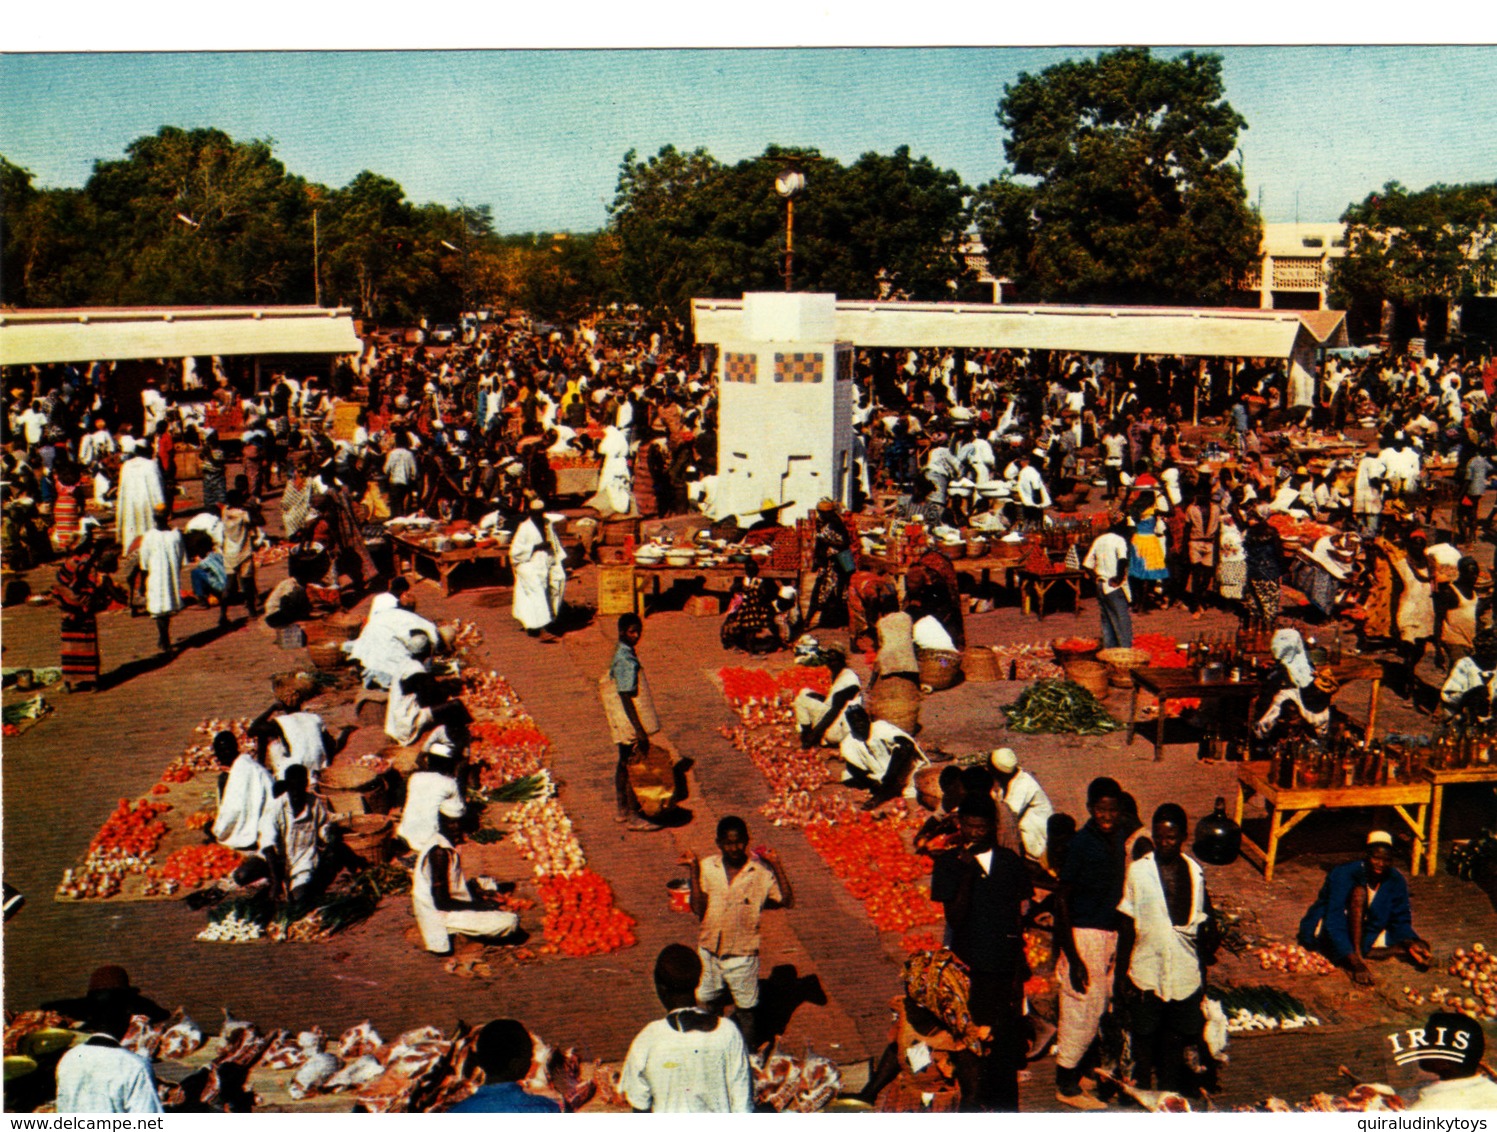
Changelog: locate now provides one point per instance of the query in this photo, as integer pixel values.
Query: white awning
(116, 334)
(1197, 331)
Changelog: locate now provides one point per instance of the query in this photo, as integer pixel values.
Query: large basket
(980, 664)
(940, 669)
(928, 786)
(402, 759)
(1091, 675)
(1123, 662)
(1067, 649)
(293, 689)
(895, 700)
(368, 837)
(328, 630)
(354, 789)
(326, 655)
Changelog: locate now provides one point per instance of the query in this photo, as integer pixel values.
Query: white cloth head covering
(1288, 648)
(1004, 760)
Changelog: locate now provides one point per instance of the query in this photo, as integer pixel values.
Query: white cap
(1004, 760)
(1379, 837)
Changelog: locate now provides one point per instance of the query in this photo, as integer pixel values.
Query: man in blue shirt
(504, 1053)
(1364, 906)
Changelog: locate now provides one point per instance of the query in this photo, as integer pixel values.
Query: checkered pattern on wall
(740, 367)
(798, 367)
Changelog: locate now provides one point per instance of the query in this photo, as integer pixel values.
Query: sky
(539, 134)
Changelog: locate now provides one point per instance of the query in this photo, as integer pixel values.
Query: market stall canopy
(1196, 331)
(29, 337)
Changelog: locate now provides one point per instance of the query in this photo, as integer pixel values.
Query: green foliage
(687, 226)
(1129, 195)
(1418, 248)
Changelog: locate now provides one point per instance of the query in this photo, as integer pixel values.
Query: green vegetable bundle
(1055, 706)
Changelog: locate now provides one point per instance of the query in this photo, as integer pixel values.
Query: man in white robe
(391, 636)
(430, 795)
(140, 493)
(616, 479)
(247, 796)
(1023, 794)
(443, 903)
(100, 1076)
(537, 559)
(162, 557)
(297, 739)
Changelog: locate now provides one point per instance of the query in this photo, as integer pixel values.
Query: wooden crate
(617, 592)
(704, 605)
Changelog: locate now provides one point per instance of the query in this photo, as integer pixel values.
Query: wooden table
(1438, 780)
(1179, 684)
(657, 575)
(1300, 803)
(445, 561)
(1034, 587)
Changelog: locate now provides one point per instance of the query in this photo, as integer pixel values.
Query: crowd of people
(1002, 443)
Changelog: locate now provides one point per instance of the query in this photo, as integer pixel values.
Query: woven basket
(977, 547)
(326, 655)
(940, 669)
(368, 837)
(980, 664)
(928, 786)
(354, 790)
(895, 700)
(403, 759)
(1091, 675)
(1122, 662)
(1064, 656)
(293, 688)
(327, 630)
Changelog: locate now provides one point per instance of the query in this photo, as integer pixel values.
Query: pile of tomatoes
(132, 829)
(191, 867)
(505, 752)
(581, 917)
(868, 855)
(744, 686)
(201, 819)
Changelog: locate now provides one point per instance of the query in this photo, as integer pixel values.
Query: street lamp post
(788, 184)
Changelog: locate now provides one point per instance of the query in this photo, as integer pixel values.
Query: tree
(380, 257)
(1120, 187)
(192, 216)
(685, 226)
(1420, 250)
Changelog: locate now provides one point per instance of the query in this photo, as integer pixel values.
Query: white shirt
(1027, 799)
(1031, 488)
(106, 1078)
(1164, 954)
(247, 797)
(1103, 558)
(669, 1071)
(298, 837)
(404, 717)
(931, 634)
(1463, 1094)
(427, 795)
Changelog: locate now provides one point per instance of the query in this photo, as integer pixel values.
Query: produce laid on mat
(422, 1070)
(122, 858)
(23, 715)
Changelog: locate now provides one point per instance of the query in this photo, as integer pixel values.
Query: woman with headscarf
(1231, 560)
(1264, 551)
(832, 558)
(1148, 563)
(749, 624)
(83, 589)
(1295, 684)
(932, 584)
(536, 556)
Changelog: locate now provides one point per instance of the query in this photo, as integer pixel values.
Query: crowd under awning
(37, 337)
(1194, 331)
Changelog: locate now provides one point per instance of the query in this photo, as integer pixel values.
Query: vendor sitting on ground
(295, 837)
(823, 719)
(880, 755)
(1295, 684)
(444, 902)
(292, 738)
(1468, 688)
(1362, 910)
(246, 792)
(392, 635)
(749, 624)
(430, 795)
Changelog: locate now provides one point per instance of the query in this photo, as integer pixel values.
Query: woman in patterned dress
(83, 589)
